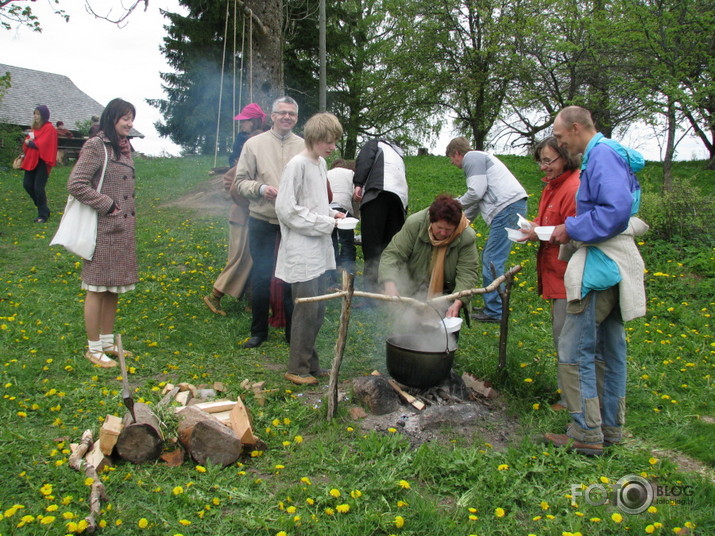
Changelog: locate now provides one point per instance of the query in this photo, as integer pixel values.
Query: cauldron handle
(446, 333)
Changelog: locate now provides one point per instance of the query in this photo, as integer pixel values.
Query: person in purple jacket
(604, 285)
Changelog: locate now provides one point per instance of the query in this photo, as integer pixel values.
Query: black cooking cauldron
(420, 360)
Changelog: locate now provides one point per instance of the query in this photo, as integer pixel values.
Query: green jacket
(406, 260)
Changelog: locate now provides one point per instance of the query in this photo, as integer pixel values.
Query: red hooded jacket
(46, 141)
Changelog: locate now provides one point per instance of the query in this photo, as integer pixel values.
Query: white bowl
(544, 233)
(523, 222)
(347, 223)
(452, 324)
(515, 235)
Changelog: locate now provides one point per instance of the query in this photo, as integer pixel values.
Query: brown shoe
(300, 380)
(100, 359)
(562, 440)
(114, 350)
(558, 407)
(214, 303)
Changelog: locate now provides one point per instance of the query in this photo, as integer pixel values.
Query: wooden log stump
(206, 439)
(140, 441)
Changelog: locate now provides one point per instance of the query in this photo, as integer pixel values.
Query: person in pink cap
(234, 277)
(251, 120)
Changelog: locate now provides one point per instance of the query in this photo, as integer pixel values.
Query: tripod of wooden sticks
(348, 292)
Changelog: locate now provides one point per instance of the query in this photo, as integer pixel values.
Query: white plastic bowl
(544, 233)
(347, 223)
(515, 235)
(452, 324)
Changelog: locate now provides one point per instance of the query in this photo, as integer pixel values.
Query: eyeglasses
(283, 114)
(547, 162)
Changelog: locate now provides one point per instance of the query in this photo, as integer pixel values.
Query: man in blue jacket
(604, 285)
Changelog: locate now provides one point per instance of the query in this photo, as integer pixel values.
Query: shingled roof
(67, 103)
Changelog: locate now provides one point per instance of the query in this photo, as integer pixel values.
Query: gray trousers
(307, 320)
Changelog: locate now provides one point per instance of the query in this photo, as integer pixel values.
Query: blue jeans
(592, 372)
(496, 251)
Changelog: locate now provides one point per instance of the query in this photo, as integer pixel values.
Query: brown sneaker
(562, 440)
(300, 380)
(214, 303)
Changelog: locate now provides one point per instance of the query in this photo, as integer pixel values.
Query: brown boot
(214, 303)
(562, 440)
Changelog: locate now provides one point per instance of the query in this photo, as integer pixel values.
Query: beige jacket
(262, 161)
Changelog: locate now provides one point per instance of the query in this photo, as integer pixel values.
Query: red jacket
(46, 141)
(558, 201)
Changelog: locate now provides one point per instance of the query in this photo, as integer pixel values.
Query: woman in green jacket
(434, 253)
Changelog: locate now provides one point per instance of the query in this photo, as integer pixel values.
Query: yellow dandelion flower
(298, 439)
(286, 421)
(615, 516)
(185, 522)
(343, 508)
(143, 523)
(286, 443)
(47, 520)
(335, 493)
(544, 505)
(653, 461)
(350, 429)
(329, 511)
(72, 527)
(392, 430)
(595, 520)
(499, 512)
(652, 509)
(402, 504)
(604, 479)
(404, 484)
(306, 480)
(201, 468)
(503, 467)
(472, 517)
(52, 508)
(310, 501)
(650, 529)
(291, 509)
(356, 493)
(399, 522)
(528, 380)
(178, 490)
(282, 533)
(536, 406)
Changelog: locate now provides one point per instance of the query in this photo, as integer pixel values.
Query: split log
(407, 397)
(96, 458)
(240, 422)
(140, 441)
(109, 433)
(206, 439)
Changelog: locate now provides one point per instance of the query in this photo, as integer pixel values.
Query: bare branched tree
(123, 14)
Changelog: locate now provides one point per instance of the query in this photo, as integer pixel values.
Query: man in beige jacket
(258, 175)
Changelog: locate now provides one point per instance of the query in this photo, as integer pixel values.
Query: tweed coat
(115, 260)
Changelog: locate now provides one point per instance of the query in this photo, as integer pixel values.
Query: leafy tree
(194, 47)
(14, 13)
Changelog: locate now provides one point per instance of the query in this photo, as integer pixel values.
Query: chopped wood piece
(109, 433)
(224, 417)
(241, 423)
(167, 388)
(174, 458)
(183, 386)
(183, 397)
(140, 441)
(478, 386)
(219, 386)
(407, 397)
(206, 439)
(96, 458)
(168, 397)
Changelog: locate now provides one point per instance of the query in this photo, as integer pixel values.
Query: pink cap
(251, 111)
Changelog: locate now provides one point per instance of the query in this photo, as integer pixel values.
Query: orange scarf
(439, 254)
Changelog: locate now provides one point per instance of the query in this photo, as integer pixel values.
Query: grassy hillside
(336, 478)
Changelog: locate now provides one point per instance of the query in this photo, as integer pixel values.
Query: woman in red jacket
(558, 201)
(40, 148)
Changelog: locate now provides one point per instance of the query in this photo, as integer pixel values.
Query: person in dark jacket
(381, 187)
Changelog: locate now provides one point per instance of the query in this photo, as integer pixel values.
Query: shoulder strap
(104, 168)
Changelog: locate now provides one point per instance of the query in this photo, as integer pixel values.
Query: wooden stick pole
(98, 492)
(348, 286)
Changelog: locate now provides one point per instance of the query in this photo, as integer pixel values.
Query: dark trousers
(308, 320)
(35, 182)
(262, 239)
(380, 220)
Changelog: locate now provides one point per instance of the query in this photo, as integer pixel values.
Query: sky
(106, 61)
(111, 62)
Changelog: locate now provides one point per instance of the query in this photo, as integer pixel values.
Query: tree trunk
(671, 125)
(140, 441)
(206, 439)
(266, 58)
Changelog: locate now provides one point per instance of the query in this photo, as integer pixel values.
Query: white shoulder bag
(77, 232)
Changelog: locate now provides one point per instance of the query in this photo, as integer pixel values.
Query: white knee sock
(95, 346)
(107, 340)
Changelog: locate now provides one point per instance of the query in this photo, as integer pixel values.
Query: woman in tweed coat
(113, 269)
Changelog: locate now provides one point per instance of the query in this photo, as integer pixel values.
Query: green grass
(51, 394)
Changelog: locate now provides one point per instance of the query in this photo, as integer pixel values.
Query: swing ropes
(235, 106)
